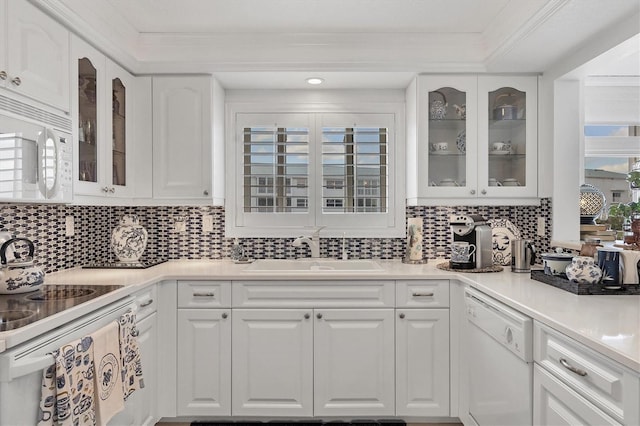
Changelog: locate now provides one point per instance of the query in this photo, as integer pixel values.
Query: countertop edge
(394, 270)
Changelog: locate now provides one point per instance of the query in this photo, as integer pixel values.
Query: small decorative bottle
(129, 239)
(237, 251)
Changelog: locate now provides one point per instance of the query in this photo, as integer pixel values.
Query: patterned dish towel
(109, 399)
(130, 354)
(69, 382)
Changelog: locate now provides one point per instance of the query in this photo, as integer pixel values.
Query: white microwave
(36, 162)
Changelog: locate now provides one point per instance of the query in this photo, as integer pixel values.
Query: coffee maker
(473, 229)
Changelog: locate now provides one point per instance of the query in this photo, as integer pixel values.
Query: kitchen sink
(314, 265)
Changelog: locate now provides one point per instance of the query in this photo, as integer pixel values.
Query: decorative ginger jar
(129, 239)
(584, 270)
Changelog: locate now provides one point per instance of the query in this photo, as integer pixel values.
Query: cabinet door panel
(354, 362)
(38, 54)
(422, 362)
(272, 362)
(204, 359)
(554, 403)
(182, 137)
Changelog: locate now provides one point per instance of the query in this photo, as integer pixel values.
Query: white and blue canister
(609, 263)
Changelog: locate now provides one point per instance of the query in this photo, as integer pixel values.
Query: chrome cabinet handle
(204, 295)
(3, 75)
(307, 316)
(473, 192)
(571, 368)
(205, 192)
(147, 303)
(16, 81)
(429, 294)
(112, 190)
(105, 189)
(224, 315)
(483, 192)
(401, 316)
(319, 316)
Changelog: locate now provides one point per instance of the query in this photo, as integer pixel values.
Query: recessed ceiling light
(315, 80)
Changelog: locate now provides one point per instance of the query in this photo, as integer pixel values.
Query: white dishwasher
(500, 357)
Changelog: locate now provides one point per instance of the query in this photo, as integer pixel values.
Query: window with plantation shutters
(354, 170)
(303, 170)
(275, 169)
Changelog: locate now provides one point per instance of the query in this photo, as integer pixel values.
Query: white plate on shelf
(461, 141)
(503, 231)
(443, 153)
(498, 152)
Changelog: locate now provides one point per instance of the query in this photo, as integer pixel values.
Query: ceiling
(350, 43)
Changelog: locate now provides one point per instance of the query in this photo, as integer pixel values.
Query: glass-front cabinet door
(507, 136)
(447, 138)
(120, 85)
(104, 96)
(87, 121)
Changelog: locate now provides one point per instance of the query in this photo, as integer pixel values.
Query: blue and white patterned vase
(584, 270)
(129, 239)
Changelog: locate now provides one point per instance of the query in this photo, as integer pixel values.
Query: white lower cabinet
(422, 362)
(140, 408)
(272, 366)
(306, 362)
(555, 403)
(204, 359)
(354, 362)
(575, 385)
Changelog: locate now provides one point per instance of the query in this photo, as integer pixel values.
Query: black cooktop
(18, 310)
(125, 265)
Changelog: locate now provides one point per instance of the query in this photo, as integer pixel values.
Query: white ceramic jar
(584, 270)
(129, 239)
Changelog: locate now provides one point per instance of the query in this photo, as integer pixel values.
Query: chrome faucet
(313, 242)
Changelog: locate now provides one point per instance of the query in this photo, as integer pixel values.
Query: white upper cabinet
(476, 138)
(507, 136)
(103, 129)
(34, 54)
(182, 137)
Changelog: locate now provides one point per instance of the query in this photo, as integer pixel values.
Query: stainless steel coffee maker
(474, 230)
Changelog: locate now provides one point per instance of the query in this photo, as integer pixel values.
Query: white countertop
(607, 324)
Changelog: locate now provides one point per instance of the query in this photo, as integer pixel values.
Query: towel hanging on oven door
(69, 400)
(109, 399)
(132, 379)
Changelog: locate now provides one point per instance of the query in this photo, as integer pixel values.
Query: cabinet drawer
(422, 294)
(309, 294)
(607, 384)
(204, 294)
(147, 301)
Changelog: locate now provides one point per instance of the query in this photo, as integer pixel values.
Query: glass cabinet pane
(507, 137)
(119, 145)
(87, 119)
(447, 137)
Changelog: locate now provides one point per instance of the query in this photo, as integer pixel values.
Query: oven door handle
(31, 365)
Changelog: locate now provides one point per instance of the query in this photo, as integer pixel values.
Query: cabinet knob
(3, 75)
(319, 316)
(307, 316)
(224, 315)
(473, 192)
(112, 190)
(205, 192)
(401, 316)
(16, 81)
(105, 189)
(483, 192)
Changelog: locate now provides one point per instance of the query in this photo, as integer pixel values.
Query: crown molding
(517, 22)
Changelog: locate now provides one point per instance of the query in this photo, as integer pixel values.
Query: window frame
(361, 224)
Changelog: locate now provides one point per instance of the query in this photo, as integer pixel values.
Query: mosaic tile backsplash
(45, 226)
